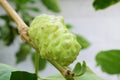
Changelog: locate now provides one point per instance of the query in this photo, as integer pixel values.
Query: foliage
(5, 72)
(22, 53)
(49, 4)
(9, 73)
(84, 42)
(102, 4)
(109, 61)
(22, 75)
(7, 30)
(79, 69)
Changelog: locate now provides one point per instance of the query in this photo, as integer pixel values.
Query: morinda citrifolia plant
(54, 33)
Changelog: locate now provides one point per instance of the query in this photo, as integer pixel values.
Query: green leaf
(79, 69)
(10, 39)
(89, 75)
(69, 26)
(10, 73)
(52, 5)
(22, 75)
(102, 4)
(82, 41)
(8, 33)
(5, 71)
(24, 50)
(42, 62)
(109, 61)
(83, 69)
(5, 31)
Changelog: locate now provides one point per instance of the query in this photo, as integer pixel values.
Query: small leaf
(22, 75)
(102, 4)
(109, 61)
(10, 39)
(8, 31)
(5, 31)
(79, 69)
(5, 71)
(42, 62)
(51, 5)
(8, 34)
(89, 75)
(82, 41)
(69, 26)
(24, 50)
(83, 69)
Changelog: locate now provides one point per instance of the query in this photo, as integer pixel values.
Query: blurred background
(101, 28)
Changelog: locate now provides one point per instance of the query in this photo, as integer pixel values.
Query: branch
(22, 27)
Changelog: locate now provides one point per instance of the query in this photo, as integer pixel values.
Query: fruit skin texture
(53, 39)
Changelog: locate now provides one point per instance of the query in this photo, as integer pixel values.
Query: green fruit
(53, 39)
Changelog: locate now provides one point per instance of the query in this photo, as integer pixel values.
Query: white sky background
(101, 28)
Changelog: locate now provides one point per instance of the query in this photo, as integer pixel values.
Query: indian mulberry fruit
(54, 40)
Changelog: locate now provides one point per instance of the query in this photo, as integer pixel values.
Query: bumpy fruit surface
(53, 39)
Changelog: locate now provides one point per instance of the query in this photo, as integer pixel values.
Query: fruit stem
(63, 70)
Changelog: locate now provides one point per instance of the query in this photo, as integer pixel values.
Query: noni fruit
(54, 40)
